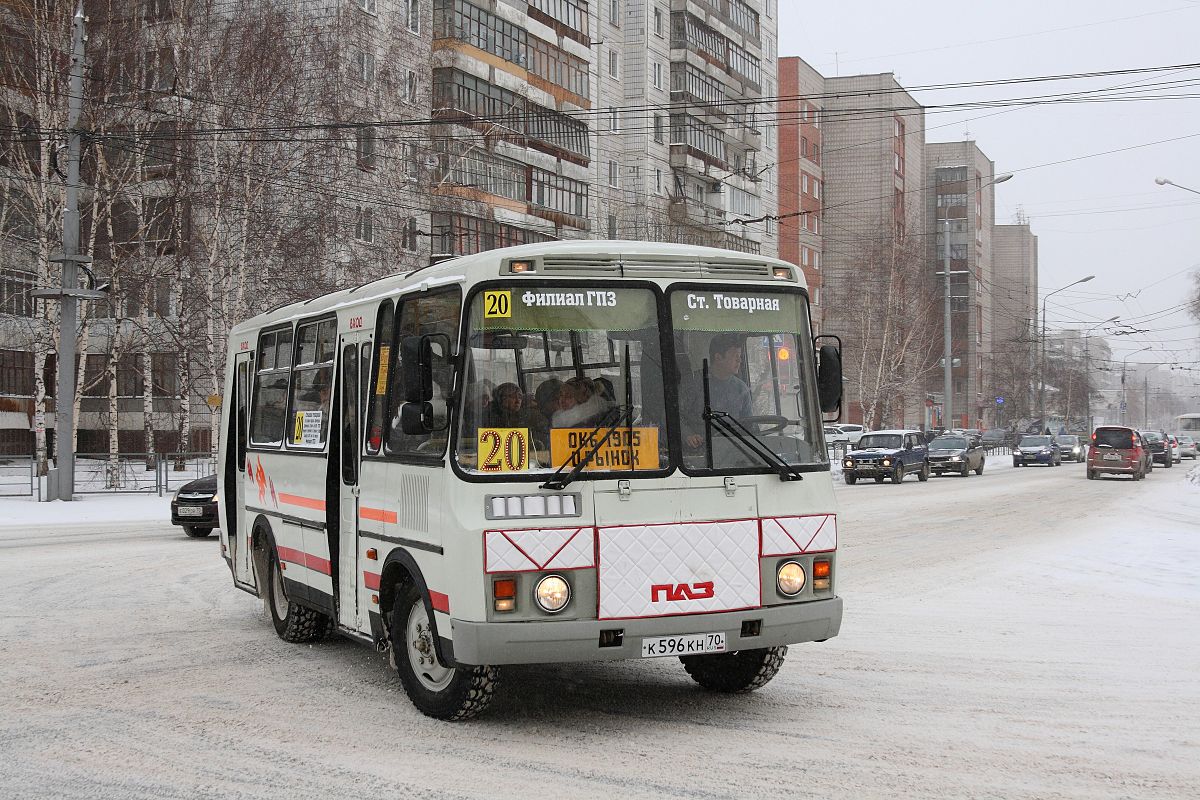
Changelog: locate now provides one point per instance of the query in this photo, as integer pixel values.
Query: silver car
(1187, 447)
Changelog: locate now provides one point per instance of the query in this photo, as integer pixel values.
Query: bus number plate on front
(692, 645)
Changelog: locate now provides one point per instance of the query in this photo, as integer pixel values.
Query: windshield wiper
(626, 413)
(729, 425)
(556, 482)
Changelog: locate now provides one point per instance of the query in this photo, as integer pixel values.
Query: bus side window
(435, 313)
(267, 414)
(312, 384)
(377, 397)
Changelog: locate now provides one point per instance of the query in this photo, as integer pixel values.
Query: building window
(462, 235)
(658, 128)
(364, 228)
(614, 119)
(612, 173)
(658, 181)
(15, 297)
(367, 5)
(614, 12)
(558, 193)
(458, 19)
(658, 22)
(804, 146)
(657, 75)
(486, 171)
(410, 87)
(364, 146)
(365, 66)
(550, 62)
(612, 226)
(408, 235)
(612, 63)
(413, 9)
(408, 158)
(804, 183)
(571, 13)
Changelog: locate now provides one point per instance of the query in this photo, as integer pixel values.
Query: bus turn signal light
(372, 554)
(822, 571)
(504, 592)
(518, 267)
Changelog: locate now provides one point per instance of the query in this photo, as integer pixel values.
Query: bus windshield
(551, 371)
(748, 355)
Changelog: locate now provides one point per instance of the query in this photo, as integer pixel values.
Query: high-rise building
(801, 92)
(960, 202)
(512, 96)
(872, 226)
(1015, 324)
(684, 148)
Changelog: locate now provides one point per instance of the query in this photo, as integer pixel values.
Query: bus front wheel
(294, 623)
(441, 692)
(739, 671)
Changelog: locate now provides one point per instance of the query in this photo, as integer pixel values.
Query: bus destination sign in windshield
(737, 311)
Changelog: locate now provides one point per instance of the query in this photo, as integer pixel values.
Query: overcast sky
(1101, 216)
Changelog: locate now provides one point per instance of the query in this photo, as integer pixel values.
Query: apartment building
(801, 178)
(685, 148)
(960, 204)
(1015, 323)
(872, 222)
(514, 139)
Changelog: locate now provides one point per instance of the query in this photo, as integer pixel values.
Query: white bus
(547, 453)
(1189, 424)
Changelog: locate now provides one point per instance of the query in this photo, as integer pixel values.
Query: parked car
(1118, 450)
(956, 454)
(194, 507)
(1072, 447)
(887, 454)
(973, 433)
(1187, 446)
(995, 437)
(1160, 450)
(1037, 450)
(1173, 442)
(834, 434)
(853, 432)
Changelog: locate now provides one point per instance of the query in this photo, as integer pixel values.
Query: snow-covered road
(1027, 633)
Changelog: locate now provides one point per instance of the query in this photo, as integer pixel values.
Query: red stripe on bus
(302, 502)
(371, 580)
(439, 601)
(303, 559)
(377, 514)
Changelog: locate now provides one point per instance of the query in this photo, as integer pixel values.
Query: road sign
(999, 401)
(1123, 406)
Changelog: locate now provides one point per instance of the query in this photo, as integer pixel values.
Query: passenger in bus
(507, 409)
(604, 387)
(545, 403)
(580, 405)
(726, 390)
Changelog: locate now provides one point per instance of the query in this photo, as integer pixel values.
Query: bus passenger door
(350, 450)
(239, 531)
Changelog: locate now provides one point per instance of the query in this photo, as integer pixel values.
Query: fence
(16, 476)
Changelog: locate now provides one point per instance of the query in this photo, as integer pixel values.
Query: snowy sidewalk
(19, 514)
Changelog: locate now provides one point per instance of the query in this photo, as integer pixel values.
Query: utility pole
(1146, 401)
(947, 367)
(61, 482)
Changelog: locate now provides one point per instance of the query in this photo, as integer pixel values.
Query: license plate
(692, 645)
(1112, 456)
(190, 511)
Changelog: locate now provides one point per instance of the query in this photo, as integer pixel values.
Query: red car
(1120, 451)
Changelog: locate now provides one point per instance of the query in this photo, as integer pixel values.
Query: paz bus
(547, 453)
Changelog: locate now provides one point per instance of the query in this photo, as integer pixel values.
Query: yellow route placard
(625, 448)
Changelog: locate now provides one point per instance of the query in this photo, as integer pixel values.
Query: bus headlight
(552, 594)
(790, 578)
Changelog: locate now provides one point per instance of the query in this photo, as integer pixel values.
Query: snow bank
(20, 513)
(1193, 477)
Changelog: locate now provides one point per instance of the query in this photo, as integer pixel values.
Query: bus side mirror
(829, 376)
(417, 365)
(416, 418)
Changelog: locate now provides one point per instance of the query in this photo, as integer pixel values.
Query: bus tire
(196, 532)
(294, 623)
(446, 693)
(739, 671)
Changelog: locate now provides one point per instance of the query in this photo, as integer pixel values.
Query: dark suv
(887, 454)
(1160, 450)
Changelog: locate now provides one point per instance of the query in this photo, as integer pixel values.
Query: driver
(726, 390)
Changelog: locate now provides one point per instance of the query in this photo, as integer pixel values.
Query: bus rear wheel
(446, 693)
(739, 671)
(294, 623)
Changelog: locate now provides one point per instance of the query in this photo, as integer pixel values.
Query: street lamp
(1169, 182)
(1087, 372)
(947, 355)
(1123, 360)
(1042, 371)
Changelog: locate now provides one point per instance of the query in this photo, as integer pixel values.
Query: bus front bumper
(550, 641)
